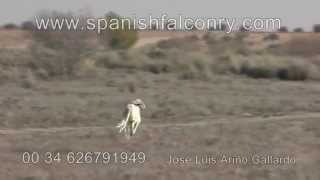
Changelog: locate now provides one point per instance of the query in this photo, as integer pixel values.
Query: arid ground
(226, 115)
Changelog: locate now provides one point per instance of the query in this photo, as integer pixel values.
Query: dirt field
(229, 115)
(204, 119)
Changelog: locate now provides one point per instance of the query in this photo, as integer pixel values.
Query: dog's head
(139, 103)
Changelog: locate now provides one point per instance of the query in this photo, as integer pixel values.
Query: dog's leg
(131, 125)
(135, 127)
(128, 131)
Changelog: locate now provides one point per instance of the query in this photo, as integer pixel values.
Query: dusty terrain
(190, 114)
(229, 115)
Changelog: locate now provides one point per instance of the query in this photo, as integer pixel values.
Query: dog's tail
(122, 125)
(124, 122)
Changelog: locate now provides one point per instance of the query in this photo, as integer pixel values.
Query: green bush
(122, 37)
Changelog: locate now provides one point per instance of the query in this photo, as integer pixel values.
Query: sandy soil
(231, 117)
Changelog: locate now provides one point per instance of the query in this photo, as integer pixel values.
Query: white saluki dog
(132, 117)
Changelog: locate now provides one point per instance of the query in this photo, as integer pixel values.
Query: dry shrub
(210, 38)
(241, 36)
(42, 74)
(227, 44)
(87, 68)
(188, 72)
(293, 72)
(227, 38)
(53, 62)
(257, 67)
(129, 60)
(59, 51)
(298, 30)
(4, 77)
(156, 53)
(18, 75)
(10, 26)
(14, 57)
(283, 29)
(316, 28)
(72, 40)
(285, 68)
(188, 65)
(28, 80)
(133, 60)
(158, 68)
(193, 66)
(14, 67)
(271, 37)
(315, 69)
(28, 25)
(109, 59)
(222, 64)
